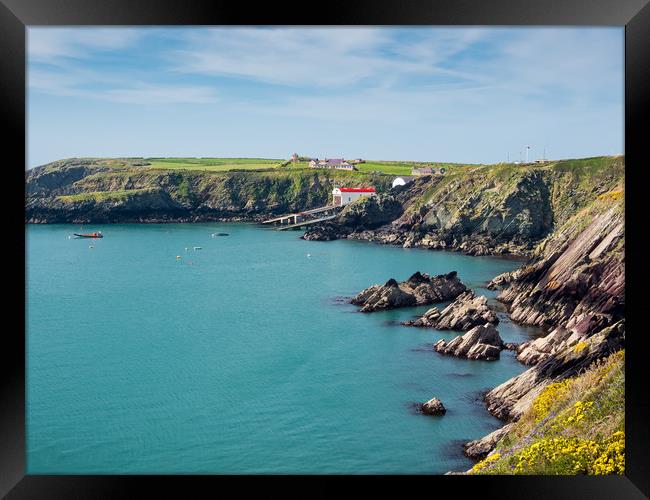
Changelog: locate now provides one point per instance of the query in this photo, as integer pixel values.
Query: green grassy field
(388, 167)
(213, 164)
(226, 164)
(584, 168)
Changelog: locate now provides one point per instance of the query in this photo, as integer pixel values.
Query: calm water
(238, 358)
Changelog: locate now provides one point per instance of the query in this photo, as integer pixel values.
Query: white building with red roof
(343, 196)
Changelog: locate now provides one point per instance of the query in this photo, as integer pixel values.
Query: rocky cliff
(496, 209)
(99, 190)
(574, 287)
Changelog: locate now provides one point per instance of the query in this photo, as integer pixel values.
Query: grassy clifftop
(575, 426)
(564, 186)
(512, 201)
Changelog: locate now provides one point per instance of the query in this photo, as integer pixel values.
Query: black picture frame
(16, 15)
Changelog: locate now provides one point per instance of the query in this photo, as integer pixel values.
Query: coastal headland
(566, 217)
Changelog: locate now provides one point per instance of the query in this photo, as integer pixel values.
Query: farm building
(345, 166)
(343, 196)
(402, 181)
(335, 163)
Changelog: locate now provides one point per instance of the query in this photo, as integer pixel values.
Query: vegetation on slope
(507, 201)
(573, 183)
(98, 196)
(575, 426)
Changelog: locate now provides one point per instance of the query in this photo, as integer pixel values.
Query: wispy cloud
(373, 88)
(321, 57)
(162, 94)
(85, 85)
(49, 45)
(63, 62)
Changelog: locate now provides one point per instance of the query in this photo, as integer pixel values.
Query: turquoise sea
(241, 356)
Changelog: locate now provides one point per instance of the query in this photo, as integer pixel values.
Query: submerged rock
(466, 312)
(481, 342)
(433, 407)
(419, 289)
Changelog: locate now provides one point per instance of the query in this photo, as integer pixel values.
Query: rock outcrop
(480, 448)
(510, 399)
(466, 312)
(367, 213)
(577, 281)
(433, 407)
(364, 214)
(575, 287)
(419, 289)
(481, 342)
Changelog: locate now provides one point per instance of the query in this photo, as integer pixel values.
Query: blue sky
(471, 95)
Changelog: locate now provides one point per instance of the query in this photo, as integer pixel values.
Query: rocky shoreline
(573, 287)
(567, 219)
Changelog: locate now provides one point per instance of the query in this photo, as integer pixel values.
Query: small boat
(198, 248)
(96, 234)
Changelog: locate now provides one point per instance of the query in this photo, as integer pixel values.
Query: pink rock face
(579, 281)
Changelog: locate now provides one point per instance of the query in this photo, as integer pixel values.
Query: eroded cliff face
(577, 278)
(574, 287)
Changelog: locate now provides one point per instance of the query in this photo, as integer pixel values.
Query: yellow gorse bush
(486, 462)
(574, 456)
(580, 346)
(548, 397)
(574, 426)
(612, 456)
(580, 410)
(611, 196)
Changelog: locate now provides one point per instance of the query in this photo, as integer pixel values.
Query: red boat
(97, 234)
